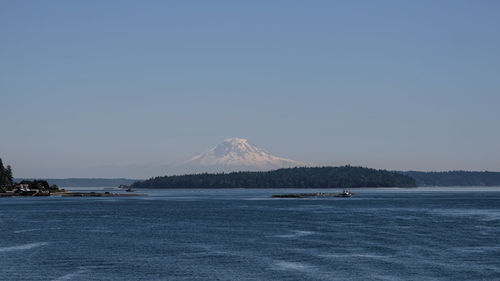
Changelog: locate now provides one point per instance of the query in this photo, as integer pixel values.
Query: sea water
(244, 234)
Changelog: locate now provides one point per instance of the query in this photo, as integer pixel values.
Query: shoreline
(73, 194)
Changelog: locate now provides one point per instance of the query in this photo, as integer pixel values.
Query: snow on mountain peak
(236, 154)
(236, 140)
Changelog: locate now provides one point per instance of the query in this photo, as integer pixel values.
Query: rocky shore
(69, 194)
(312, 195)
(98, 194)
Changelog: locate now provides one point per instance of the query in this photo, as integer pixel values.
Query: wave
(27, 230)
(477, 249)
(22, 247)
(368, 256)
(295, 234)
(294, 266)
(71, 275)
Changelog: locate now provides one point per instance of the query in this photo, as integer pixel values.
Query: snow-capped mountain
(236, 154)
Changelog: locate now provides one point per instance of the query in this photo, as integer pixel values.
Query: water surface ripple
(382, 234)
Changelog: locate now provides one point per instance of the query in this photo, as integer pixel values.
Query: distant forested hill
(455, 178)
(89, 182)
(323, 177)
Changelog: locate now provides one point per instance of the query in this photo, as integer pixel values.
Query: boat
(129, 190)
(345, 193)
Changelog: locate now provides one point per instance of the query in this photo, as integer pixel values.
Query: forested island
(320, 177)
(455, 178)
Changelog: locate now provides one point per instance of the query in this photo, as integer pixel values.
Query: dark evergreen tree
(5, 175)
(10, 178)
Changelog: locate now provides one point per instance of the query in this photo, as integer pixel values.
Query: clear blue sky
(92, 88)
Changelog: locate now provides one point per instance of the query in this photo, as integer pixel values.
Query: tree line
(319, 177)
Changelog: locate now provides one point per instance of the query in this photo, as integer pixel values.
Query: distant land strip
(455, 178)
(87, 182)
(448, 178)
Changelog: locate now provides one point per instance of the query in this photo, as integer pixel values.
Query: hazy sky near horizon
(114, 88)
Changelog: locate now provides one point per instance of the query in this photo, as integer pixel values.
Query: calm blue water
(383, 234)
